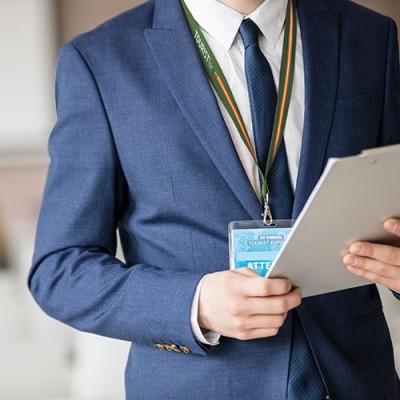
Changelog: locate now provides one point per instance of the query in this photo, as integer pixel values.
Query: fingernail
(356, 249)
(390, 226)
(351, 261)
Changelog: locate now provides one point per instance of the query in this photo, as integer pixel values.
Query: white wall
(27, 47)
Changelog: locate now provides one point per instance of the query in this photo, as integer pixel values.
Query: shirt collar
(223, 22)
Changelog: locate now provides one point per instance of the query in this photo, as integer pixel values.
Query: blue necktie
(305, 382)
(263, 98)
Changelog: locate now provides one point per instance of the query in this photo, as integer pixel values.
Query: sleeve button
(185, 349)
(172, 347)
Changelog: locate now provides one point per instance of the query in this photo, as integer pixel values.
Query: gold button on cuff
(185, 349)
(172, 347)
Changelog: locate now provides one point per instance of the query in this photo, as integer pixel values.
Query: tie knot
(249, 32)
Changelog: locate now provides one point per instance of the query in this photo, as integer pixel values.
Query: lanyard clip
(268, 220)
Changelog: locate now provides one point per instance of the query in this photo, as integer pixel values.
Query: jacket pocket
(370, 315)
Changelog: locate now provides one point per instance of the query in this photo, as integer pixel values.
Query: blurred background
(41, 359)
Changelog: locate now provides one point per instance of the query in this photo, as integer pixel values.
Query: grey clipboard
(352, 199)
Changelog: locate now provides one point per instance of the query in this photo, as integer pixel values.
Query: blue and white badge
(254, 245)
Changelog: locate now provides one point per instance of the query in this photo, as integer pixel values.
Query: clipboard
(350, 202)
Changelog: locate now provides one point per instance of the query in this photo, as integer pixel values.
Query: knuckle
(239, 324)
(273, 332)
(384, 270)
(243, 336)
(282, 286)
(264, 289)
(287, 285)
(280, 307)
(297, 300)
(260, 287)
(292, 302)
(235, 308)
(393, 256)
(280, 320)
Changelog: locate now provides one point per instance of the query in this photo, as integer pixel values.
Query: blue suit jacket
(140, 145)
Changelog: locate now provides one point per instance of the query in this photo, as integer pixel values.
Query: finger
(253, 285)
(277, 305)
(371, 265)
(266, 321)
(244, 309)
(256, 334)
(391, 284)
(253, 306)
(380, 252)
(262, 287)
(392, 225)
(244, 325)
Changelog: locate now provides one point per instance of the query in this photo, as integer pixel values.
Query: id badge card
(254, 245)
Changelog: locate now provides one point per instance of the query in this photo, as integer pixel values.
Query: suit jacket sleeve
(75, 276)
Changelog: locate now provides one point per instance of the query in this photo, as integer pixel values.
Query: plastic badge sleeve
(255, 245)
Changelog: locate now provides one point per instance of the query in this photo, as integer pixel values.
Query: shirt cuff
(209, 338)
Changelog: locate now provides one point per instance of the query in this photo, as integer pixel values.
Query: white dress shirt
(220, 25)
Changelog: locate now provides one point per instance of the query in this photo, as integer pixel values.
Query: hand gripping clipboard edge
(350, 202)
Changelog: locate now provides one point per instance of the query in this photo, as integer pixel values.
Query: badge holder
(255, 245)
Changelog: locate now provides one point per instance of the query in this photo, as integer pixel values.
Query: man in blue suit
(143, 145)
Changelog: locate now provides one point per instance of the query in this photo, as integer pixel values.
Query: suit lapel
(320, 36)
(176, 56)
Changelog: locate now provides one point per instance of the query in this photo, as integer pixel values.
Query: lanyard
(221, 86)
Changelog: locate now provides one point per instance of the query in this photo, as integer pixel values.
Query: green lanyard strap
(221, 86)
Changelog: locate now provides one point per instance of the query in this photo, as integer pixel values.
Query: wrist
(201, 333)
